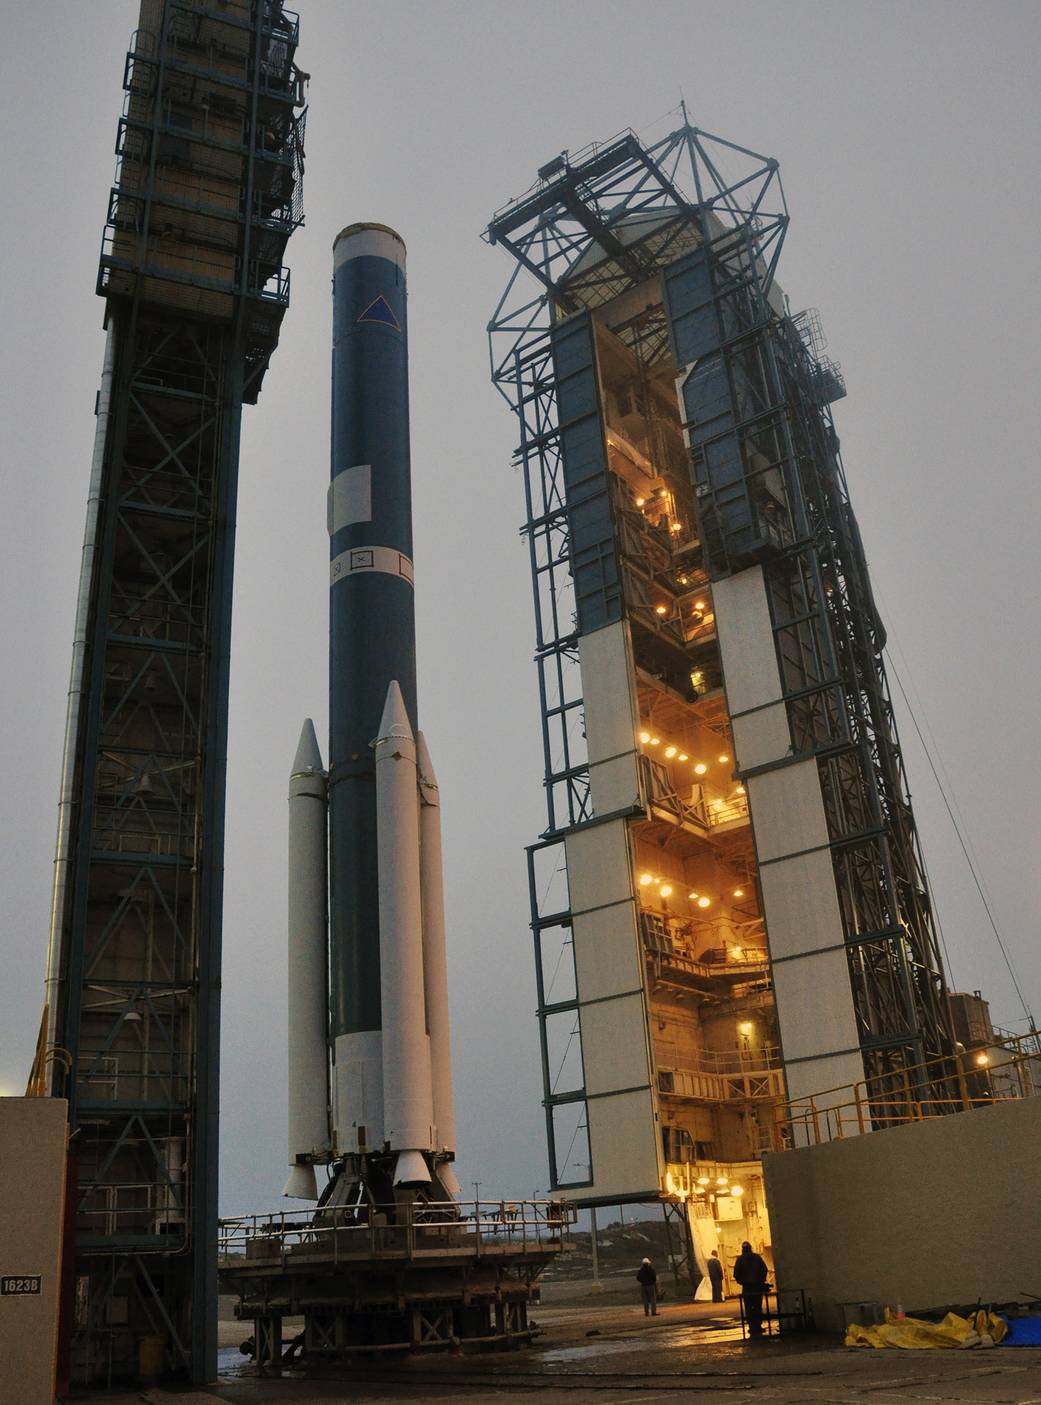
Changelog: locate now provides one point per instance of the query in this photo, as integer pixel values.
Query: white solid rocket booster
(308, 975)
(408, 1112)
(435, 965)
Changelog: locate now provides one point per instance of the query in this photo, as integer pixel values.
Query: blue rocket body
(371, 601)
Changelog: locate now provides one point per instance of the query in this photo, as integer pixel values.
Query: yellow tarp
(912, 1334)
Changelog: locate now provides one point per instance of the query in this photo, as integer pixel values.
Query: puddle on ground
(230, 1360)
(597, 1347)
(662, 1339)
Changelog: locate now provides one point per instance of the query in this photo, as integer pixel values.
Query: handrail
(469, 1225)
(733, 1085)
(851, 1108)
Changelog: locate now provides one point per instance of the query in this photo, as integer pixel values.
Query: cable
(579, 1126)
(964, 849)
(563, 1060)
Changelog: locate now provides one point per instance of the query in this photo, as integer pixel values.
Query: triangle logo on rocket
(380, 310)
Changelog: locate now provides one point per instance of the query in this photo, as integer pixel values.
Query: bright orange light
(645, 737)
(739, 790)
(666, 890)
(704, 902)
(661, 609)
(675, 527)
(700, 768)
(982, 1060)
(670, 752)
(683, 756)
(699, 604)
(640, 502)
(645, 880)
(692, 896)
(724, 759)
(739, 892)
(655, 741)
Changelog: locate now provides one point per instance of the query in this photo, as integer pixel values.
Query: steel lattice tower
(699, 577)
(207, 193)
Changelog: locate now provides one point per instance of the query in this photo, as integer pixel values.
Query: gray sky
(907, 140)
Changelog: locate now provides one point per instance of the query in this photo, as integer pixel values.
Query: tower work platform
(206, 195)
(728, 901)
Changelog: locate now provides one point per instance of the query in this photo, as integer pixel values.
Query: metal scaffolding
(207, 193)
(697, 224)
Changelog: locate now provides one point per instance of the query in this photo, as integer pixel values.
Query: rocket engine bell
(388, 1110)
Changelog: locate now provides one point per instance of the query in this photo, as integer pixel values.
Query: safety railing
(1007, 1070)
(698, 811)
(726, 1076)
(749, 1085)
(466, 1228)
(660, 790)
(737, 1060)
(728, 811)
(673, 941)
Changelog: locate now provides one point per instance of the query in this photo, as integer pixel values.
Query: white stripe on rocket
(362, 560)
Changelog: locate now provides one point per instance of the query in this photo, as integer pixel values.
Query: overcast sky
(907, 137)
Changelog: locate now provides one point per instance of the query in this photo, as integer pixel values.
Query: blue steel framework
(207, 193)
(768, 487)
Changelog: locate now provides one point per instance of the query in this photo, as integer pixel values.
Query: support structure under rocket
(367, 969)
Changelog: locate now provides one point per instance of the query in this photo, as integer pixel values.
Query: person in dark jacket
(648, 1281)
(715, 1276)
(751, 1272)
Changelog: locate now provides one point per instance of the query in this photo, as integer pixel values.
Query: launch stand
(445, 1274)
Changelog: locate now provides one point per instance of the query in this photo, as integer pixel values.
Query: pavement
(610, 1353)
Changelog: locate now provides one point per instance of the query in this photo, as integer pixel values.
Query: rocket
(366, 909)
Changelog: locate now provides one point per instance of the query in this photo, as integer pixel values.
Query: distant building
(728, 901)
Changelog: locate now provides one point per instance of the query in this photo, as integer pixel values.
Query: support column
(596, 1286)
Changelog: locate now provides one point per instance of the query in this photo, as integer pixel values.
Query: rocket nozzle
(302, 1183)
(411, 1168)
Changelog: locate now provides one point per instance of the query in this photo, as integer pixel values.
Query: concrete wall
(934, 1213)
(32, 1197)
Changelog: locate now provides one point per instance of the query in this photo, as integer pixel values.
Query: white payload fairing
(368, 985)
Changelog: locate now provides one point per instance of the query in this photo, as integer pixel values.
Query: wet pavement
(611, 1354)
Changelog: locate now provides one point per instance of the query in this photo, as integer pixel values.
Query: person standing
(751, 1272)
(715, 1276)
(648, 1281)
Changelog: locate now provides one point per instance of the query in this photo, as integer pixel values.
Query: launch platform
(415, 1278)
